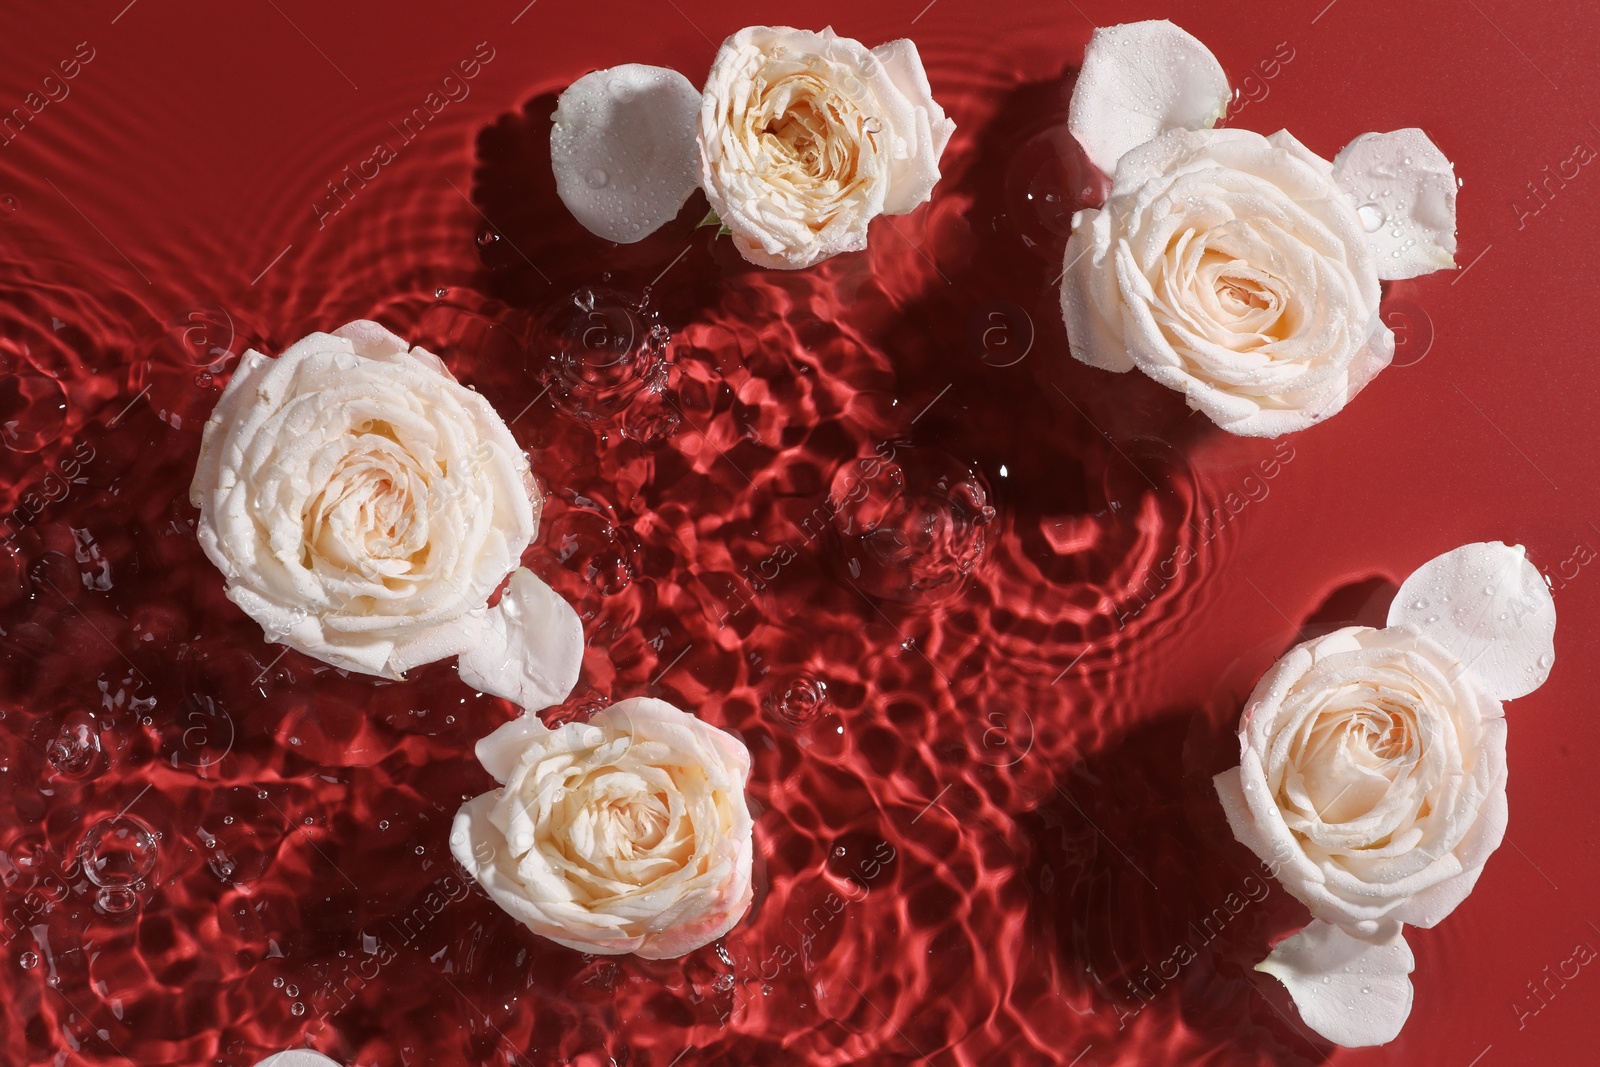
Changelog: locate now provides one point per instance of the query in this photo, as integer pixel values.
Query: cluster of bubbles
(913, 528)
(602, 356)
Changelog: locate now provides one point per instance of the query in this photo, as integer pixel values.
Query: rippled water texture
(941, 579)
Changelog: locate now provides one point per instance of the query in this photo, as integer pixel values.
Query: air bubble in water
(75, 750)
(118, 852)
(912, 528)
(116, 900)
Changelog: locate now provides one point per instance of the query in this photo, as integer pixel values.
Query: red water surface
(869, 516)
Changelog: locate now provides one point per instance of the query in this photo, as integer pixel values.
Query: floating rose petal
(1352, 991)
(1488, 606)
(531, 649)
(1405, 192)
(623, 149)
(1139, 80)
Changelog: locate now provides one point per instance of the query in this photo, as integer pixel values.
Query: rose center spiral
(370, 515)
(806, 125)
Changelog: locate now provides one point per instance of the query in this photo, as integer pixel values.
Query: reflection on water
(869, 516)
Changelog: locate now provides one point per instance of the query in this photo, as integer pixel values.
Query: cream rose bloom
(1230, 267)
(806, 137)
(628, 833)
(1372, 777)
(799, 139)
(1240, 270)
(363, 506)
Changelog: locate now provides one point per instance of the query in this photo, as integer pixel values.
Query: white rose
(628, 833)
(1372, 777)
(1373, 772)
(803, 139)
(1228, 266)
(806, 137)
(1242, 271)
(363, 506)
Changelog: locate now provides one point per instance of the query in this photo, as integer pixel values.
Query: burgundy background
(190, 151)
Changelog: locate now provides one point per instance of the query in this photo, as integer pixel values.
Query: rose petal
(476, 843)
(1138, 80)
(1259, 421)
(1428, 907)
(436, 643)
(1230, 790)
(372, 340)
(531, 648)
(913, 177)
(1490, 608)
(298, 1057)
(1352, 991)
(1092, 338)
(502, 750)
(623, 149)
(1405, 192)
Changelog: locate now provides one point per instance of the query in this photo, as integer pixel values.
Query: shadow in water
(1149, 896)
